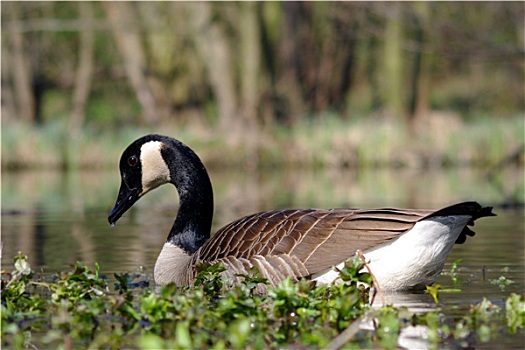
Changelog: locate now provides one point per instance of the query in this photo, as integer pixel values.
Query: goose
(406, 248)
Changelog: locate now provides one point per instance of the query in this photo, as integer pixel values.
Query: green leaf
(434, 292)
(183, 336)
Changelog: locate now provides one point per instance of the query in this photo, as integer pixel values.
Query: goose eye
(132, 161)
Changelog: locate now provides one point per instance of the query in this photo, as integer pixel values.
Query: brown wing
(319, 239)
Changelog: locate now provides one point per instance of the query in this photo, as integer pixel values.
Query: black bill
(126, 198)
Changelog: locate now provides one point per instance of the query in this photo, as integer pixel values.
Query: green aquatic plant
(434, 292)
(437, 330)
(18, 306)
(502, 282)
(479, 320)
(515, 312)
(454, 271)
(388, 327)
(81, 308)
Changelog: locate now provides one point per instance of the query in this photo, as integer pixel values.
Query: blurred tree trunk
(160, 46)
(322, 85)
(288, 85)
(250, 53)
(393, 62)
(9, 109)
(84, 70)
(338, 62)
(121, 18)
(21, 71)
(213, 48)
(271, 21)
(250, 62)
(420, 90)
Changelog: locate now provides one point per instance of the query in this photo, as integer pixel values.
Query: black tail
(473, 209)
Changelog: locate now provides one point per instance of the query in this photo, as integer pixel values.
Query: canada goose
(406, 248)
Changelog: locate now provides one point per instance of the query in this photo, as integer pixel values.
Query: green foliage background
(240, 74)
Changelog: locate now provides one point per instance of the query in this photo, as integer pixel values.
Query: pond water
(58, 218)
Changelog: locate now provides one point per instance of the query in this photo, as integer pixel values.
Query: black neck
(193, 223)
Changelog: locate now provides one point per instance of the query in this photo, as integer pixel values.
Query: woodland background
(330, 83)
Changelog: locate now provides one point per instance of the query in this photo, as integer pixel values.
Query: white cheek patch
(155, 171)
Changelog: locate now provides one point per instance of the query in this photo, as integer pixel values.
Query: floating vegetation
(515, 312)
(434, 292)
(454, 271)
(501, 282)
(82, 308)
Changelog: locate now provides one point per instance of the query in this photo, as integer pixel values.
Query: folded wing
(317, 239)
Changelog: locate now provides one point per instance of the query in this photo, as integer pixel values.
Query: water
(58, 218)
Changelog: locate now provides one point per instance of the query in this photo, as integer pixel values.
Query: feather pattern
(301, 243)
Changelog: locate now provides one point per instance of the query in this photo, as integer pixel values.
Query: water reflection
(57, 218)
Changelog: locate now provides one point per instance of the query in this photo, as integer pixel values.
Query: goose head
(142, 169)
(154, 160)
